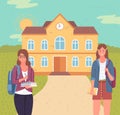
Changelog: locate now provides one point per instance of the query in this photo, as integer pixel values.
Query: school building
(61, 47)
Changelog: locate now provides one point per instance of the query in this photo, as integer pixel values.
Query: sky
(104, 15)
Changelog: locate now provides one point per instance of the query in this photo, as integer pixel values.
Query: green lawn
(8, 57)
(115, 110)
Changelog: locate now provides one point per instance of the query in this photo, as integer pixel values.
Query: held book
(32, 84)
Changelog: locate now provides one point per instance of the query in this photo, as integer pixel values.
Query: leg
(19, 104)
(96, 107)
(28, 104)
(107, 104)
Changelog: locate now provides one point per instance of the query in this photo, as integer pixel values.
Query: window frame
(78, 61)
(33, 61)
(75, 44)
(89, 44)
(30, 44)
(88, 62)
(44, 62)
(64, 43)
(44, 44)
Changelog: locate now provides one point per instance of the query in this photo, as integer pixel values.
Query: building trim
(63, 53)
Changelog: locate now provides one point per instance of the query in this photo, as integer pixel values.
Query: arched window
(30, 45)
(59, 43)
(44, 62)
(75, 61)
(75, 44)
(32, 61)
(88, 44)
(88, 61)
(44, 45)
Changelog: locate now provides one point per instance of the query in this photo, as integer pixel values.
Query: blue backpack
(12, 87)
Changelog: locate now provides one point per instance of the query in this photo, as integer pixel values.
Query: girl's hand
(92, 91)
(106, 70)
(27, 87)
(23, 79)
(109, 75)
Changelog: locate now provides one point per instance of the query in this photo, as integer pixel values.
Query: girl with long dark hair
(101, 76)
(23, 98)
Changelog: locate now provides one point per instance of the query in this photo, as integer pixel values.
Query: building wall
(68, 43)
(37, 40)
(81, 68)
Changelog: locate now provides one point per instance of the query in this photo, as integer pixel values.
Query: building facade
(60, 47)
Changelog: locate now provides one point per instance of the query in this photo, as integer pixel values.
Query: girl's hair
(23, 51)
(99, 47)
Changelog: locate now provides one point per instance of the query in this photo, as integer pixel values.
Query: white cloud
(16, 36)
(22, 3)
(109, 19)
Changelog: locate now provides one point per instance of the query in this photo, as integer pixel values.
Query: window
(59, 43)
(75, 44)
(30, 45)
(75, 61)
(88, 44)
(44, 45)
(31, 59)
(44, 62)
(88, 61)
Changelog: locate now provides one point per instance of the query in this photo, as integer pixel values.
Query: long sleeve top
(16, 81)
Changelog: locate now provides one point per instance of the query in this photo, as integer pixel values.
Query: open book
(32, 84)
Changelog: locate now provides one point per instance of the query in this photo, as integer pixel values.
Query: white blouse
(102, 75)
(25, 74)
(24, 91)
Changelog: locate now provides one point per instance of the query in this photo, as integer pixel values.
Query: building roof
(85, 30)
(46, 23)
(41, 30)
(77, 29)
(73, 23)
(34, 30)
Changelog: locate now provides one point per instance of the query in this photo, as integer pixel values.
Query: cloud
(109, 19)
(16, 36)
(22, 3)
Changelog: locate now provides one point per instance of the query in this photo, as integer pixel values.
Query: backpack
(12, 87)
(112, 83)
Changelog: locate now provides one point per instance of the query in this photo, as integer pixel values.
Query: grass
(41, 81)
(8, 56)
(115, 110)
